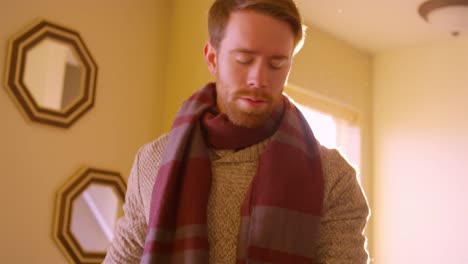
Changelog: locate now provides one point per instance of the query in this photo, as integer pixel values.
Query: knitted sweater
(345, 208)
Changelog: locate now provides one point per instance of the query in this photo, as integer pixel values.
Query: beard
(239, 115)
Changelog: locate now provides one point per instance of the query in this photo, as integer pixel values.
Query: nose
(258, 76)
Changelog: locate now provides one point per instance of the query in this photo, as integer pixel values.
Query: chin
(249, 120)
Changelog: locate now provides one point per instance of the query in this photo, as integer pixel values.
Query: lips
(254, 99)
(253, 102)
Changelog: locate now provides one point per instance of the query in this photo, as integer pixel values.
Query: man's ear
(210, 58)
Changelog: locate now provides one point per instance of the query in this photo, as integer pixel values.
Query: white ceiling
(372, 25)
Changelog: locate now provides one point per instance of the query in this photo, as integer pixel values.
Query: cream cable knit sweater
(341, 230)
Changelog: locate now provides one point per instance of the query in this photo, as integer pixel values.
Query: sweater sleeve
(130, 232)
(345, 214)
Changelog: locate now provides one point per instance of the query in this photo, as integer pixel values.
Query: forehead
(259, 33)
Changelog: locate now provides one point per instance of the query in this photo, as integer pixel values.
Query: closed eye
(244, 59)
(278, 63)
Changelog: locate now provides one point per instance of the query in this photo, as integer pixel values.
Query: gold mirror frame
(15, 70)
(66, 195)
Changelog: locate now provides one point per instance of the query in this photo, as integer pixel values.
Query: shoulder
(146, 168)
(154, 147)
(333, 161)
(149, 157)
(152, 152)
(337, 172)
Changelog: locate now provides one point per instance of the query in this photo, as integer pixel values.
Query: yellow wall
(186, 68)
(128, 39)
(421, 154)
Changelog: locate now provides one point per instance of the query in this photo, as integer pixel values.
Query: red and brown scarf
(282, 208)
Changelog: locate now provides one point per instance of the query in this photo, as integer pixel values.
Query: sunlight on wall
(421, 152)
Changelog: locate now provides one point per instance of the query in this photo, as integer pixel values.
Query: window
(332, 132)
(333, 125)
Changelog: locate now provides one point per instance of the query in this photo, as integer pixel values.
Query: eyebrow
(246, 51)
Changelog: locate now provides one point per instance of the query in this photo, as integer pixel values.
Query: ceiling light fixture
(448, 15)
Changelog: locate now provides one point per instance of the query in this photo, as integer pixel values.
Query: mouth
(254, 101)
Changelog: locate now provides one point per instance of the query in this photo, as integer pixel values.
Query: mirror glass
(53, 74)
(94, 214)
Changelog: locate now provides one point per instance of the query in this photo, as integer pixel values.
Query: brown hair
(285, 10)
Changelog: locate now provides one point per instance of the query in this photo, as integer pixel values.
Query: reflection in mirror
(87, 208)
(53, 74)
(94, 214)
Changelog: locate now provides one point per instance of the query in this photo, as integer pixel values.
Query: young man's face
(251, 66)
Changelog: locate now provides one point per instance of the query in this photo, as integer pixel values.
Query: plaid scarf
(281, 212)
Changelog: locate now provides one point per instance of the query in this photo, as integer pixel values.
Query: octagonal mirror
(51, 74)
(87, 208)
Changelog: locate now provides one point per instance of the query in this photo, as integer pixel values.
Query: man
(240, 177)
